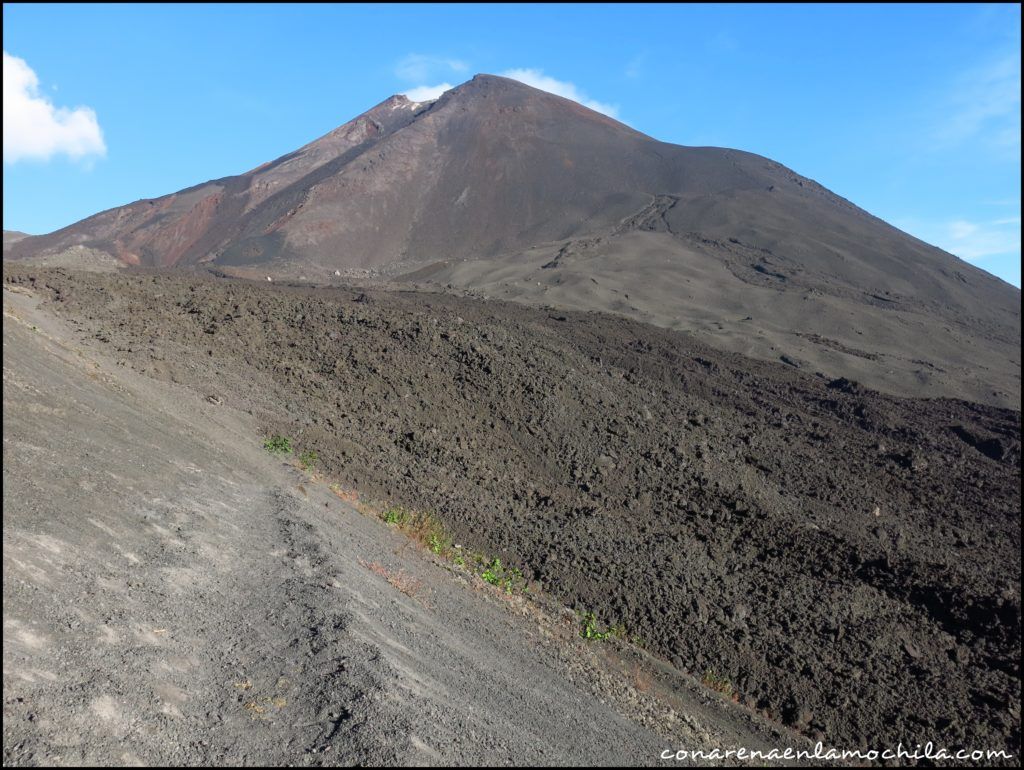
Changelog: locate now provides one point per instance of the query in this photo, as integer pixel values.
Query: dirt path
(174, 595)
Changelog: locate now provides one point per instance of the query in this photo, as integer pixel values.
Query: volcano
(507, 191)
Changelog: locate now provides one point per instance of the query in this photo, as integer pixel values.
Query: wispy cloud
(983, 106)
(537, 79)
(635, 67)
(421, 69)
(427, 93)
(974, 241)
(35, 129)
(417, 67)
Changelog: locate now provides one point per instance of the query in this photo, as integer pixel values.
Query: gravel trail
(175, 595)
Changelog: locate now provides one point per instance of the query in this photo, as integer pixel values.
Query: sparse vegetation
(420, 526)
(438, 544)
(718, 683)
(589, 629)
(278, 445)
(308, 460)
(507, 578)
(428, 530)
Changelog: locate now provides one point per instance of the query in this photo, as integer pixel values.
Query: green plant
(492, 572)
(437, 543)
(428, 530)
(307, 459)
(278, 445)
(515, 579)
(589, 630)
(506, 578)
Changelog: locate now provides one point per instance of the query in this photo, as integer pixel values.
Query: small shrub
(419, 526)
(437, 543)
(307, 460)
(492, 572)
(278, 445)
(718, 683)
(507, 578)
(589, 629)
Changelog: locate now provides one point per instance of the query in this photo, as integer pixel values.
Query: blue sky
(912, 112)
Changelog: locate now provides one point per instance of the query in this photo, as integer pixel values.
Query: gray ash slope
(506, 190)
(174, 595)
(849, 561)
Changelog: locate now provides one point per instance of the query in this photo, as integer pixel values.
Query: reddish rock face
(492, 167)
(522, 194)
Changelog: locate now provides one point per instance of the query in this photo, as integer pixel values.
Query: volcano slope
(174, 595)
(848, 561)
(520, 194)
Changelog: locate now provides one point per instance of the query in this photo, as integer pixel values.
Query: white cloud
(427, 93)
(960, 229)
(984, 106)
(37, 130)
(980, 241)
(974, 241)
(417, 67)
(537, 79)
